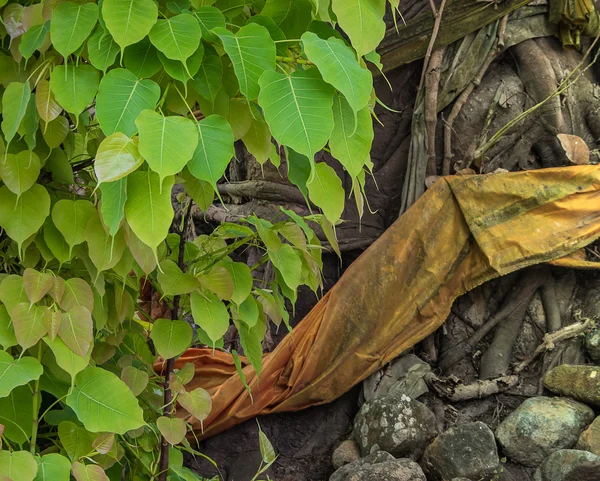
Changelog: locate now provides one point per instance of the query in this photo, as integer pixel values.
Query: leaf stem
(36, 420)
(293, 60)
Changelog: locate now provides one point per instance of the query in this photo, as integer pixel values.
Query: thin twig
(434, 33)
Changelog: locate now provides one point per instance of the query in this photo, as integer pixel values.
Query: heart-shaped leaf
(77, 293)
(363, 21)
(71, 24)
(53, 467)
(197, 402)
(102, 49)
(71, 218)
(177, 37)
(129, 21)
(136, 379)
(47, 106)
(18, 465)
(17, 372)
(210, 314)
(88, 472)
(66, 359)
(77, 330)
(171, 338)
(325, 190)
(29, 323)
(74, 86)
(36, 284)
(173, 281)
(117, 156)
(19, 172)
(172, 429)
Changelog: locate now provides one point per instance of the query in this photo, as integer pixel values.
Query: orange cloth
(463, 232)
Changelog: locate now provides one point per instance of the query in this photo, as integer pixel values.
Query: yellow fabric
(463, 232)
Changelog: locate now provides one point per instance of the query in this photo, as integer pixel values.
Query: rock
(346, 453)
(590, 438)
(569, 465)
(540, 426)
(396, 424)
(463, 451)
(579, 382)
(592, 345)
(380, 466)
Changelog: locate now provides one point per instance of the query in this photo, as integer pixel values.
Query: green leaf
(16, 414)
(18, 465)
(19, 172)
(339, 67)
(36, 284)
(56, 243)
(141, 59)
(143, 254)
(33, 39)
(7, 331)
(29, 125)
(21, 217)
(240, 371)
(173, 281)
(114, 196)
(200, 191)
(363, 21)
(351, 139)
(177, 37)
(171, 338)
(248, 312)
(252, 52)
(299, 167)
(210, 314)
(17, 372)
(167, 143)
(266, 448)
(104, 250)
(102, 49)
(172, 429)
(326, 191)
(251, 341)
(297, 107)
(288, 264)
(71, 218)
(197, 402)
(182, 72)
(53, 467)
(74, 86)
(209, 17)
(148, 208)
(76, 441)
(219, 281)
(117, 156)
(12, 291)
(58, 165)
(14, 105)
(258, 140)
(104, 403)
(77, 293)
(66, 359)
(129, 21)
(136, 379)
(46, 104)
(242, 280)
(209, 79)
(88, 472)
(291, 16)
(214, 151)
(29, 323)
(121, 98)
(71, 24)
(55, 132)
(77, 330)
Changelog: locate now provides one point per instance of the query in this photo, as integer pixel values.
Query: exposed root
(432, 84)
(264, 190)
(452, 390)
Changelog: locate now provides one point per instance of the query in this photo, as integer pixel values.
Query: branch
(454, 392)
(262, 189)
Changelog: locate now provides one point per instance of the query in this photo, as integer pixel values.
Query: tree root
(263, 190)
(432, 84)
(453, 391)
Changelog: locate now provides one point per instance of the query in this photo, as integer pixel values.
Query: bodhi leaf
(36, 284)
(17, 372)
(104, 250)
(88, 472)
(171, 338)
(178, 70)
(143, 254)
(288, 264)
(52, 324)
(210, 314)
(172, 429)
(16, 414)
(46, 104)
(23, 216)
(29, 323)
(242, 280)
(33, 39)
(53, 467)
(77, 330)
(71, 218)
(141, 59)
(167, 143)
(7, 331)
(55, 132)
(339, 67)
(297, 107)
(351, 137)
(104, 403)
(209, 17)
(74, 86)
(291, 16)
(114, 196)
(197, 402)
(200, 191)
(177, 37)
(71, 24)
(66, 359)
(214, 151)
(76, 441)
(258, 140)
(129, 21)
(148, 208)
(252, 52)
(136, 379)
(173, 281)
(208, 79)
(12, 291)
(117, 156)
(325, 190)
(18, 465)
(363, 21)
(121, 98)
(19, 172)
(14, 105)
(102, 49)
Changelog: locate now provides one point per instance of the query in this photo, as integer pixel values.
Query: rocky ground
(453, 408)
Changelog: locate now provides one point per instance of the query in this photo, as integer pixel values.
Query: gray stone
(463, 451)
(576, 381)
(569, 465)
(540, 426)
(590, 438)
(396, 424)
(380, 466)
(592, 345)
(346, 453)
